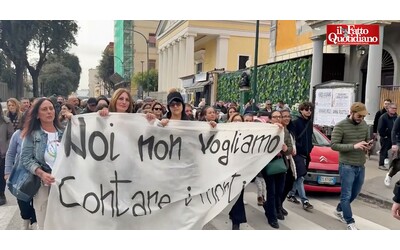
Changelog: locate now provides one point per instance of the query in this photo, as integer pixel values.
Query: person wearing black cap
(175, 106)
(90, 106)
(176, 109)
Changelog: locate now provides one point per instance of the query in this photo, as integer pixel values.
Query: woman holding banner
(275, 182)
(175, 106)
(41, 135)
(121, 102)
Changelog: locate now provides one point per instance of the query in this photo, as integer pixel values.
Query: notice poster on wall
(332, 105)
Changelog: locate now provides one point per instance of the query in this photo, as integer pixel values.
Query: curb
(373, 199)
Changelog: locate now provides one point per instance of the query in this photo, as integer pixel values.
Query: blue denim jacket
(33, 149)
(13, 152)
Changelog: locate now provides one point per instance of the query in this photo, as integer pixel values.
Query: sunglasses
(157, 108)
(307, 109)
(175, 104)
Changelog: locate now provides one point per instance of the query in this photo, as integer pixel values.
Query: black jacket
(376, 120)
(303, 140)
(396, 192)
(396, 132)
(386, 124)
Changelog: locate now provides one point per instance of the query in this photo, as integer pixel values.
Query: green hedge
(288, 81)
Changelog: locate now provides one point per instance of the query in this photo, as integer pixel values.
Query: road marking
(293, 221)
(361, 223)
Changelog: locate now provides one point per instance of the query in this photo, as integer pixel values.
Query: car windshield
(318, 139)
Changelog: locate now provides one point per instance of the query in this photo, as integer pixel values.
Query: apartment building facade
(191, 50)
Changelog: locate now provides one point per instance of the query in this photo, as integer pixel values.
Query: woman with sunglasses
(302, 128)
(175, 106)
(275, 183)
(157, 110)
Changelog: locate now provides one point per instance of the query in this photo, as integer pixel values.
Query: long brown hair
(32, 122)
(113, 103)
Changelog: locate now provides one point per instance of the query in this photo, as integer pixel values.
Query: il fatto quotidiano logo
(352, 34)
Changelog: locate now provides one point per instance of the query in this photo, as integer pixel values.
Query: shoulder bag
(276, 166)
(23, 184)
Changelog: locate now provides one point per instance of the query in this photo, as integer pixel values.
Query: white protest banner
(120, 172)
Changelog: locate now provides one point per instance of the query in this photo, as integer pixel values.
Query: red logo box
(352, 34)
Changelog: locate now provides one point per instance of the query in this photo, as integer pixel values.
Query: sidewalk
(374, 190)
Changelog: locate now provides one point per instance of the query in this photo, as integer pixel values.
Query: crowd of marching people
(31, 131)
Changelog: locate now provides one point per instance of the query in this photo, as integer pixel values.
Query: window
(152, 64)
(199, 67)
(152, 40)
(242, 61)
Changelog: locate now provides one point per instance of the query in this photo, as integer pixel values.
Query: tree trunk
(35, 84)
(35, 79)
(19, 81)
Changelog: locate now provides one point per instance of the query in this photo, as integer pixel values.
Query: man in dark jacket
(91, 105)
(385, 126)
(302, 128)
(378, 114)
(395, 139)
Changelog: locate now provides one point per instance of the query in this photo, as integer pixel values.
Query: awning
(198, 86)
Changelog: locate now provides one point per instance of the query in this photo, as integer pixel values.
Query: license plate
(326, 180)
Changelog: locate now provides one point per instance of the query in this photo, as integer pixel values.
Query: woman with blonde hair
(13, 112)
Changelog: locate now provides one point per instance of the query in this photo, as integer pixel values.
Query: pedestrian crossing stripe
(361, 223)
(293, 221)
(298, 218)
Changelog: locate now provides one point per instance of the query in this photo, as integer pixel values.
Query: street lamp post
(147, 54)
(141, 85)
(254, 77)
(122, 64)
